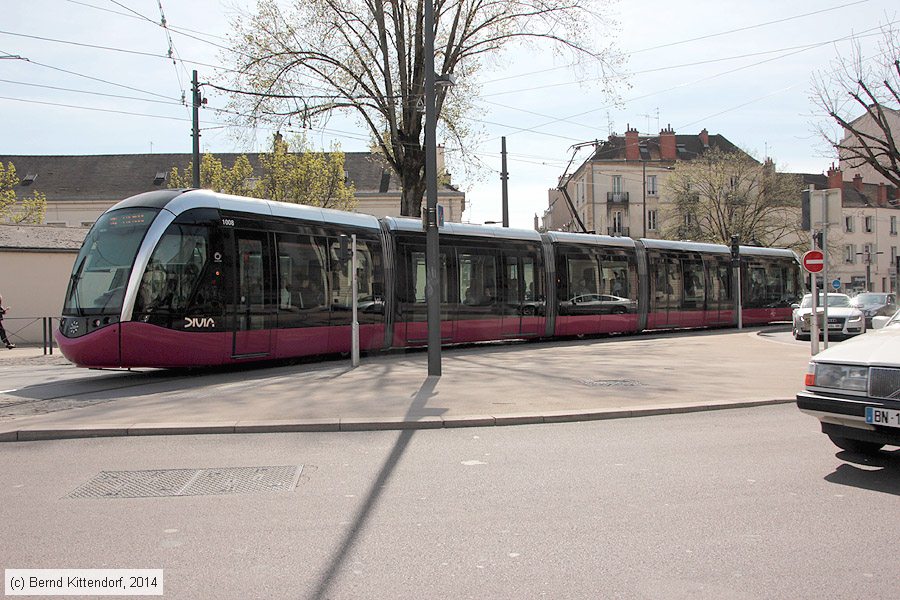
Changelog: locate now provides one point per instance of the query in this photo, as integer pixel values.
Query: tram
(191, 278)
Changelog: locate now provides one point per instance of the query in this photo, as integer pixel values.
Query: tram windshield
(103, 266)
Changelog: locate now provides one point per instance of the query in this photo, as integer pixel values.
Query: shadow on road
(371, 499)
(879, 473)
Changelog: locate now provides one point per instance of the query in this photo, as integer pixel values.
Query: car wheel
(858, 446)
(619, 310)
(799, 336)
(528, 311)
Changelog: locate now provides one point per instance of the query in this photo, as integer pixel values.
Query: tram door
(521, 290)
(252, 309)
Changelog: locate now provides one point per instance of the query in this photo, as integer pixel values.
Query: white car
(854, 389)
(844, 319)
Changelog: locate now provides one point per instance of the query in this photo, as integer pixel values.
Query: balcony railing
(618, 197)
(618, 231)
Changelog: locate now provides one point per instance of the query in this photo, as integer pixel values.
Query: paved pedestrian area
(481, 385)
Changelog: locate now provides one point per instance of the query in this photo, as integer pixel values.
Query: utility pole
(195, 132)
(430, 220)
(504, 177)
(644, 196)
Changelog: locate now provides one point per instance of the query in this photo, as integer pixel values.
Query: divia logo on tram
(201, 322)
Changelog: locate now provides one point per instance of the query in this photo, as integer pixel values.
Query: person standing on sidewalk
(3, 338)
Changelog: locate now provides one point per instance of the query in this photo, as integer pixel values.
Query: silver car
(844, 319)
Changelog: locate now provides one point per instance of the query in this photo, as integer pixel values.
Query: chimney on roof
(667, 148)
(704, 138)
(835, 178)
(441, 161)
(857, 182)
(632, 149)
(882, 195)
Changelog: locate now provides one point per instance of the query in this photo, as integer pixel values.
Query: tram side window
(758, 287)
(667, 284)
(369, 296)
(694, 283)
(172, 280)
(720, 286)
(417, 278)
(477, 278)
(301, 279)
(618, 277)
(583, 277)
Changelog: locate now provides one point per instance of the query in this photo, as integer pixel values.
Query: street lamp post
(432, 248)
(644, 196)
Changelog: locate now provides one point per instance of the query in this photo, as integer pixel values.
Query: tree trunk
(413, 178)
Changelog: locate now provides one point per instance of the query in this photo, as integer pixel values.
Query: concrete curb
(39, 433)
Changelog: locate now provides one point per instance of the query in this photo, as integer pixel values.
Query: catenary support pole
(432, 246)
(195, 132)
(504, 178)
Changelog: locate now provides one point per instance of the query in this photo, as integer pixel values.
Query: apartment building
(620, 189)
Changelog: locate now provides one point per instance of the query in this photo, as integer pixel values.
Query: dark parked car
(875, 304)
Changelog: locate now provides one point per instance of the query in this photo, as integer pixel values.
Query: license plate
(835, 326)
(883, 416)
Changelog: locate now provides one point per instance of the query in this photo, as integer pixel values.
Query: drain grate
(189, 482)
(610, 382)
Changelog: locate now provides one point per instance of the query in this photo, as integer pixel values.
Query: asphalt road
(742, 503)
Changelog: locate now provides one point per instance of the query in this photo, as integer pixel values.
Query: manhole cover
(189, 482)
(610, 382)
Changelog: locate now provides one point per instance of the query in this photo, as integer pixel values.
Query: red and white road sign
(813, 261)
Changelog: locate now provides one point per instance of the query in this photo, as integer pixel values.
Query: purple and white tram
(186, 278)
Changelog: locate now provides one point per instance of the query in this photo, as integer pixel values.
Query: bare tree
(721, 194)
(862, 95)
(317, 57)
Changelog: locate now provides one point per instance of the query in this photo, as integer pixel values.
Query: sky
(94, 77)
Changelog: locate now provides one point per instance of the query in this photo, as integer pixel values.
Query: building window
(870, 224)
(651, 220)
(893, 255)
(848, 224)
(850, 254)
(617, 184)
(579, 192)
(893, 225)
(651, 185)
(617, 222)
(868, 253)
(688, 220)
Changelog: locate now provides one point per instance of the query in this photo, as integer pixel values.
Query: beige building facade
(620, 189)
(35, 266)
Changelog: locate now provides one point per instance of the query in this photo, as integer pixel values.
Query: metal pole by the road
(354, 341)
(504, 178)
(195, 118)
(432, 247)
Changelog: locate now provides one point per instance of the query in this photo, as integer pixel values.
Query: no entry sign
(813, 261)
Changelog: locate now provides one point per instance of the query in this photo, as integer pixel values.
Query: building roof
(687, 146)
(112, 177)
(41, 237)
(851, 197)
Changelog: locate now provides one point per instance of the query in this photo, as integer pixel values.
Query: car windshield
(869, 299)
(835, 300)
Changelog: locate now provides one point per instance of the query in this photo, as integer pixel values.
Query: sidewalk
(492, 384)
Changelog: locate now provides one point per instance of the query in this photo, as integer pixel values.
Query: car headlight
(841, 377)
(854, 318)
